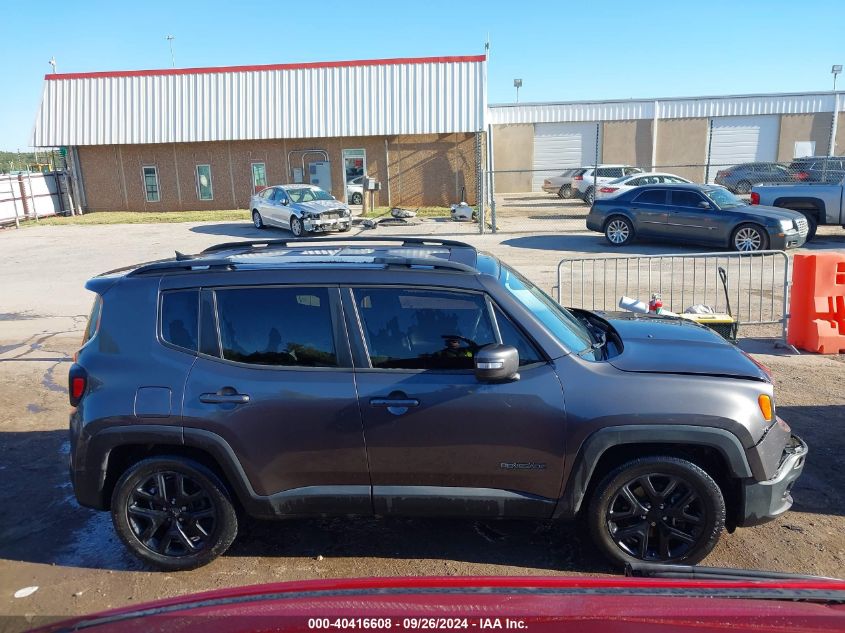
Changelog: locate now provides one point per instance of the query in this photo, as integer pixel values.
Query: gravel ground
(75, 559)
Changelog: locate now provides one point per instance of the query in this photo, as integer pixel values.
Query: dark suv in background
(408, 377)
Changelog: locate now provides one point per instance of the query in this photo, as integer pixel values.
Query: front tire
(657, 509)
(619, 231)
(257, 220)
(357, 198)
(296, 226)
(748, 238)
(173, 513)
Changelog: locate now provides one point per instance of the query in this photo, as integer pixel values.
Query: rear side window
(93, 320)
(180, 318)
(289, 327)
(423, 329)
(652, 196)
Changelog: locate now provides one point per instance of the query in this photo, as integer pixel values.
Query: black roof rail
(434, 262)
(403, 241)
(181, 265)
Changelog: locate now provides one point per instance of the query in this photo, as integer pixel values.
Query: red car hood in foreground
(597, 605)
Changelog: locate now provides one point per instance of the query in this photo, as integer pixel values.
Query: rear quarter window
(180, 318)
(93, 320)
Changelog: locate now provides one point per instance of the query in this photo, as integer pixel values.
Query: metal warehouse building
(693, 137)
(207, 138)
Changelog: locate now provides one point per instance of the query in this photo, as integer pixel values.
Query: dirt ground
(79, 566)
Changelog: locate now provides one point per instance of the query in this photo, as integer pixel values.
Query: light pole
(52, 63)
(835, 70)
(170, 39)
(517, 83)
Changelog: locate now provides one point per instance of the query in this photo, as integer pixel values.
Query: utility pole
(170, 39)
(835, 70)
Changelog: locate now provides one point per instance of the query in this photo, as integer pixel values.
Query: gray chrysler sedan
(701, 214)
(299, 208)
(409, 377)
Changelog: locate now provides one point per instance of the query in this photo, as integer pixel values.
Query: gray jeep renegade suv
(408, 377)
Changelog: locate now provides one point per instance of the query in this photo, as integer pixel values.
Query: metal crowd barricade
(758, 283)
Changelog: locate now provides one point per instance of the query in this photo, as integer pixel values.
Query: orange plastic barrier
(817, 303)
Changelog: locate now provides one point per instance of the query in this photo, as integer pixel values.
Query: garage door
(742, 139)
(561, 145)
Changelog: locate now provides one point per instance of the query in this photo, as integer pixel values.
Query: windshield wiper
(692, 572)
(599, 339)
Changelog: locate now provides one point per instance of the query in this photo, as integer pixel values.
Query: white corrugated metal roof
(364, 98)
(671, 108)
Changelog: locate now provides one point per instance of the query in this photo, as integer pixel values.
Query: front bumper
(782, 241)
(332, 224)
(763, 501)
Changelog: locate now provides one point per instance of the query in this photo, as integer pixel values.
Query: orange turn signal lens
(766, 408)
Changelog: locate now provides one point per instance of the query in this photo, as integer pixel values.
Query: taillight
(608, 189)
(802, 175)
(755, 197)
(77, 384)
(578, 178)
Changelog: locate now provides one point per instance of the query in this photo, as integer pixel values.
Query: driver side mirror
(285, 201)
(495, 363)
(705, 205)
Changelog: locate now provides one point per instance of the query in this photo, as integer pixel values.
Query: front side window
(204, 190)
(151, 188)
(290, 327)
(513, 336)
(724, 199)
(423, 329)
(180, 318)
(686, 198)
(259, 177)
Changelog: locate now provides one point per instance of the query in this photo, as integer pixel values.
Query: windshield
(723, 198)
(307, 194)
(557, 319)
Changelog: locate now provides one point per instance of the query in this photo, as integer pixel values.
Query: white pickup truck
(820, 202)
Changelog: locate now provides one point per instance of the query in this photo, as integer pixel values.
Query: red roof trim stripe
(240, 69)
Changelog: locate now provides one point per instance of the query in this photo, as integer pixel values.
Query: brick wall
(424, 170)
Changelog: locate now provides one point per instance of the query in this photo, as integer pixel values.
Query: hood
(773, 213)
(674, 345)
(320, 206)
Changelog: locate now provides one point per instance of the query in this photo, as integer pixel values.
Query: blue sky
(562, 50)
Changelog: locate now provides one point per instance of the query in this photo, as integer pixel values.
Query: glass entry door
(354, 168)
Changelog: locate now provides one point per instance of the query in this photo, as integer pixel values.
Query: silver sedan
(299, 208)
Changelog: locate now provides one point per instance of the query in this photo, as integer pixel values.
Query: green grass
(140, 217)
(422, 212)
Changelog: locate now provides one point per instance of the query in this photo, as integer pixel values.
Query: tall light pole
(52, 63)
(170, 39)
(517, 83)
(835, 70)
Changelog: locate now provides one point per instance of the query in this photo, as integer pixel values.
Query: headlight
(786, 225)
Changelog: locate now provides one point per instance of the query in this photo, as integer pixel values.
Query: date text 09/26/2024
(417, 623)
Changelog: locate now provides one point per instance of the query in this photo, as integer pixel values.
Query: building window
(151, 188)
(204, 191)
(259, 177)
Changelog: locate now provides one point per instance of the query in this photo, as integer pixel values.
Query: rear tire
(656, 509)
(743, 187)
(257, 220)
(565, 192)
(619, 231)
(173, 513)
(748, 238)
(812, 224)
(590, 196)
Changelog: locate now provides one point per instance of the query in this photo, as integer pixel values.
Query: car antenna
(180, 257)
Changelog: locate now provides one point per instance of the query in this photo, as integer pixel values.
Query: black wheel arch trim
(813, 204)
(89, 483)
(592, 449)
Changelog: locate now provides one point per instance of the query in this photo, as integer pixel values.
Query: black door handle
(227, 395)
